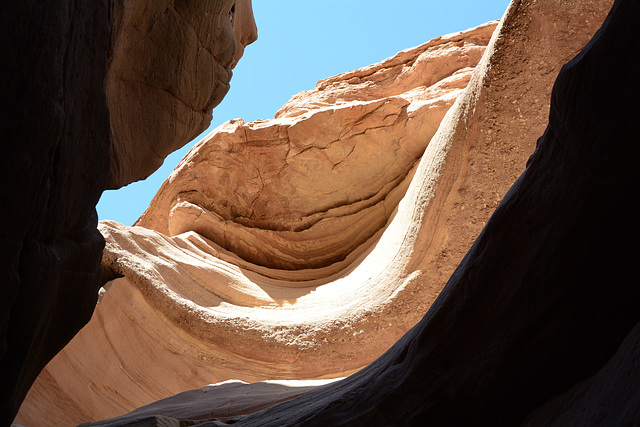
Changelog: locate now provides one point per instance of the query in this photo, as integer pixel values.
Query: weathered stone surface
(165, 77)
(307, 189)
(55, 160)
(547, 293)
(195, 298)
(228, 287)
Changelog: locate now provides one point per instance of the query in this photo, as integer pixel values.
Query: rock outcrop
(202, 311)
(165, 77)
(55, 162)
(539, 308)
(305, 190)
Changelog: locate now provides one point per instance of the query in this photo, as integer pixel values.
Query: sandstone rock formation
(251, 297)
(307, 189)
(164, 78)
(539, 323)
(56, 154)
(219, 313)
(540, 306)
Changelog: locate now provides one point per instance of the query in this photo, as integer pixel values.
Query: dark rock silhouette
(58, 150)
(53, 168)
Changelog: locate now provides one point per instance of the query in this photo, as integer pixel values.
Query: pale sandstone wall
(311, 193)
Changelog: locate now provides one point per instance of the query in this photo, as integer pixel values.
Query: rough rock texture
(53, 168)
(548, 292)
(235, 293)
(164, 78)
(228, 400)
(216, 312)
(305, 190)
(55, 161)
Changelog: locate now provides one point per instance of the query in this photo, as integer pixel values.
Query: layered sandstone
(219, 314)
(307, 189)
(212, 296)
(539, 323)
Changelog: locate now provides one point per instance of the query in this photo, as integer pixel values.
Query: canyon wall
(539, 322)
(60, 149)
(201, 297)
(53, 168)
(206, 312)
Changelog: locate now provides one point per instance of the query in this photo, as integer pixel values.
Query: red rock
(191, 296)
(307, 189)
(546, 295)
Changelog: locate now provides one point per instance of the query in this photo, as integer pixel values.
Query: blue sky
(301, 42)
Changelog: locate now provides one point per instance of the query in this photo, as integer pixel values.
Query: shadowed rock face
(58, 147)
(53, 168)
(200, 312)
(170, 65)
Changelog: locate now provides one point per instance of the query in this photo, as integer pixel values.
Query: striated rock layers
(247, 308)
(305, 190)
(209, 308)
(204, 299)
(539, 323)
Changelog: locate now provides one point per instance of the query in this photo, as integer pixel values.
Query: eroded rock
(169, 66)
(542, 308)
(302, 315)
(307, 189)
(186, 292)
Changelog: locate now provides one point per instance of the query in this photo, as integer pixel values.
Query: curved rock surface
(200, 312)
(169, 66)
(540, 319)
(307, 189)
